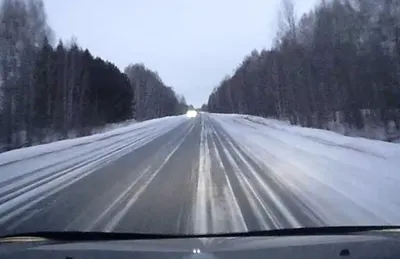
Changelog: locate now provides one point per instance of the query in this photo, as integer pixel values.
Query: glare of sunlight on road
(191, 113)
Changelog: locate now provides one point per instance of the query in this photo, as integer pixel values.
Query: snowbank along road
(209, 174)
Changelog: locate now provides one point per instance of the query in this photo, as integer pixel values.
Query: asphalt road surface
(194, 178)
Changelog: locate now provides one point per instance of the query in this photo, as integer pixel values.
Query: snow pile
(346, 181)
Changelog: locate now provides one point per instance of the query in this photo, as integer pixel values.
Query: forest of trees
(153, 99)
(340, 61)
(49, 93)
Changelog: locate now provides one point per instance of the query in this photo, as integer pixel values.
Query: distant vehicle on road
(191, 113)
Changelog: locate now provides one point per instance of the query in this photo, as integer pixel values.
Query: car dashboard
(331, 246)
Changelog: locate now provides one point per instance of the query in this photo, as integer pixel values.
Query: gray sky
(192, 44)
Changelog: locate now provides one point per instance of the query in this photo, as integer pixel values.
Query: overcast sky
(192, 44)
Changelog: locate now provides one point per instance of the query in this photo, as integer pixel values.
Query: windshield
(176, 117)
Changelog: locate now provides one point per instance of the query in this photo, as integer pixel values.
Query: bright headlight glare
(191, 114)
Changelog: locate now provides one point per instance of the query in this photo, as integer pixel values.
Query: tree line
(340, 61)
(153, 98)
(49, 93)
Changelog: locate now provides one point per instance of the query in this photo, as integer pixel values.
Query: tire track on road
(147, 171)
(15, 190)
(149, 207)
(46, 200)
(250, 203)
(287, 210)
(216, 209)
(230, 216)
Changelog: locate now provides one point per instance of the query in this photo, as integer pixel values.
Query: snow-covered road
(213, 173)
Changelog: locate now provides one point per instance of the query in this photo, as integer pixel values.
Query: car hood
(331, 246)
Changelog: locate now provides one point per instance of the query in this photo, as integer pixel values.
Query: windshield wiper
(107, 236)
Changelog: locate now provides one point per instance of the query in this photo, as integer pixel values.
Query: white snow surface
(344, 180)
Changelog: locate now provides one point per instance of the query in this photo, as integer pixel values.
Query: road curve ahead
(195, 176)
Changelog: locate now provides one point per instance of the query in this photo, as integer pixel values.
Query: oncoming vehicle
(191, 113)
